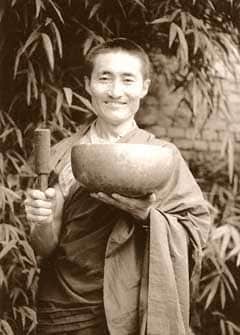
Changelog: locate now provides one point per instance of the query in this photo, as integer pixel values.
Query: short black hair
(118, 44)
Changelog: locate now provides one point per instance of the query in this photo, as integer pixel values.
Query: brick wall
(162, 115)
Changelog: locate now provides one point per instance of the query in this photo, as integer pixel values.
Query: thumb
(153, 197)
(50, 193)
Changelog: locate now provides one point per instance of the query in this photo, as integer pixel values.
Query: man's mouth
(115, 103)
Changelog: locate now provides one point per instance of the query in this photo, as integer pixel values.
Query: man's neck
(111, 132)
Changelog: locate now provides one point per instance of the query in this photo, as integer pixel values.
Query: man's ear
(87, 84)
(146, 85)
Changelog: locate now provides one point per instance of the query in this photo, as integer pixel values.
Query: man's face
(116, 86)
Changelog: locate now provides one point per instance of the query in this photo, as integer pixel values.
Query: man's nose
(116, 89)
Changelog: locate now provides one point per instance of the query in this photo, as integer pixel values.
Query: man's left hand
(137, 207)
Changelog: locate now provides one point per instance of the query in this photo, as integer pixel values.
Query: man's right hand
(40, 206)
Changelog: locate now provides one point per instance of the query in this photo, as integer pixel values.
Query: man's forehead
(119, 61)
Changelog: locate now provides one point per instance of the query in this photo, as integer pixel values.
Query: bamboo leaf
(28, 95)
(48, 49)
(23, 316)
(222, 295)
(5, 134)
(9, 232)
(122, 8)
(140, 3)
(2, 12)
(183, 45)
(28, 251)
(68, 95)
(205, 292)
(160, 20)
(16, 63)
(5, 327)
(33, 37)
(11, 245)
(3, 279)
(33, 81)
(94, 10)
(238, 260)
(172, 34)
(230, 329)
(235, 184)
(230, 150)
(234, 252)
(18, 293)
(183, 20)
(9, 194)
(85, 101)
(224, 145)
(230, 277)
(223, 327)
(235, 235)
(38, 5)
(228, 287)
(58, 39)
(48, 21)
(81, 109)
(19, 137)
(87, 44)
(1, 162)
(56, 10)
(234, 326)
(43, 101)
(30, 277)
(214, 287)
(59, 102)
(31, 315)
(224, 244)
(195, 93)
(219, 232)
(175, 14)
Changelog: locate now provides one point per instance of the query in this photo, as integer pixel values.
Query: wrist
(144, 216)
(144, 221)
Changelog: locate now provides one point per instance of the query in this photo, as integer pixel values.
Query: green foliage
(219, 282)
(42, 44)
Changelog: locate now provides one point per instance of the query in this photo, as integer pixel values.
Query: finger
(152, 197)
(122, 198)
(106, 199)
(38, 219)
(38, 211)
(38, 203)
(131, 203)
(50, 193)
(101, 196)
(36, 194)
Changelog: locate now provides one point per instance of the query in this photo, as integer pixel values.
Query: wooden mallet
(42, 143)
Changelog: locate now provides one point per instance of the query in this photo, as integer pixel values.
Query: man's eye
(128, 80)
(104, 78)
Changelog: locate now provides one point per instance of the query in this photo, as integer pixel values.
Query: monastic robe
(110, 273)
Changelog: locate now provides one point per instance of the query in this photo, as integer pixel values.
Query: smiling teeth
(115, 103)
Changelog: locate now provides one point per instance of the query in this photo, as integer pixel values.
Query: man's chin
(117, 121)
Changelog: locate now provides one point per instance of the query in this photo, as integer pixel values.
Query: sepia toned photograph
(119, 167)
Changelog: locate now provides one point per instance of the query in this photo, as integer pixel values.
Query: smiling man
(116, 86)
(116, 265)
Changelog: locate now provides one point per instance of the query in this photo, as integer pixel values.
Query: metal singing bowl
(129, 169)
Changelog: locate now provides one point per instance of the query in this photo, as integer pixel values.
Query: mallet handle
(42, 142)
